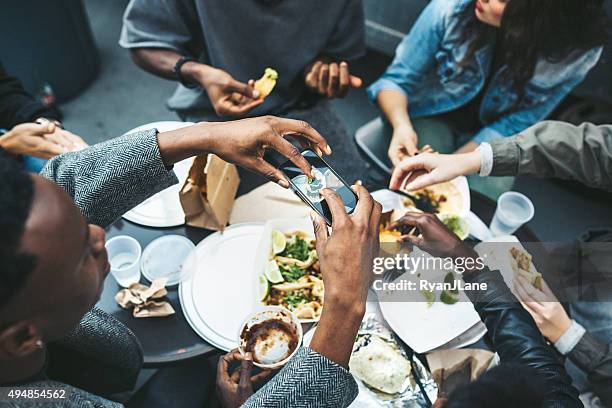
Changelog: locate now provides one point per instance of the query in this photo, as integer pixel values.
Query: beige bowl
(272, 334)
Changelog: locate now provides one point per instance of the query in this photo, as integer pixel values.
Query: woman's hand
(33, 139)
(543, 306)
(428, 169)
(403, 144)
(244, 143)
(330, 79)
(235, 389)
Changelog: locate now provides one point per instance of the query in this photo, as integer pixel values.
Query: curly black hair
(16, 194)
(534, 29)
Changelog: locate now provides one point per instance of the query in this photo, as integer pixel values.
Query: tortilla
(520, 261)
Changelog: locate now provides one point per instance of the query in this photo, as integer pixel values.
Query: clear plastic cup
(513, 210)
(124, 257)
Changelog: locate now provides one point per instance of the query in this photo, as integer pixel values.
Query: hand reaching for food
(330, 79)
(428, 169)
(433, 236)
(543, 306)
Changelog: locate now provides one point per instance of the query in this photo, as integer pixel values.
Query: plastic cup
(513, 210)
(124, 257)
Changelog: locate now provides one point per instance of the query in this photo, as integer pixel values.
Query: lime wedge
(279, 242)
(273, 272)
(264, 288)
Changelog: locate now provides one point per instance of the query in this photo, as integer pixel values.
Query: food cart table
(170, 339)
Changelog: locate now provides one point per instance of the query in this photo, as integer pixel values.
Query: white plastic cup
(513, 210)
(124, 257)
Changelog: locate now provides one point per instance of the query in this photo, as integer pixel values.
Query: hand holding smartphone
(308, 189)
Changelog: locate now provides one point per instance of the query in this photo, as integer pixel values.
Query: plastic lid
(165, 257)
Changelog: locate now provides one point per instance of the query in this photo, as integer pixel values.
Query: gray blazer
(557, 149)
(108, 179)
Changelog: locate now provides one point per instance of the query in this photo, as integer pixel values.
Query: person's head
(532, 29)
(52, 263)
(505, 386)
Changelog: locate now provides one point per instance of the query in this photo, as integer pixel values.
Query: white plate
(424, 327)
(389, 200)
(164, 208)
(284, 225)
(219, 294)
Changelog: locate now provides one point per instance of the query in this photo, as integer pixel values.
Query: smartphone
(324, 177)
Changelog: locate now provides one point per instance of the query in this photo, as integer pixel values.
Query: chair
(101, 356)
(373, 142)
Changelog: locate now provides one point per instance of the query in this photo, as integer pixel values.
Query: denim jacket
(427, 70)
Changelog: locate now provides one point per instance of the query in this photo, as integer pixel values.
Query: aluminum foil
(411, 395)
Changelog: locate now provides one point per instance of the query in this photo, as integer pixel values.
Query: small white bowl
(271, 313)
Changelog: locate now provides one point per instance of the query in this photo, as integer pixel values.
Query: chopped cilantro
(291, 273)
(297, 248)
(294, 299)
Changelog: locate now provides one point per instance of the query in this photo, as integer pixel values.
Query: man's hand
(330, 79)
(244, 143)
(346, 259)
(228, 96)
(43, 140)
(434, 237)
(428, 169)
(235, 389)
(403, 144)
(543, 306)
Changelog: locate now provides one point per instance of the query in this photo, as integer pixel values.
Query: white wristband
(486, 159)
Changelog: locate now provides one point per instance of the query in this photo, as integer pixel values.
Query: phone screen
(324, 177)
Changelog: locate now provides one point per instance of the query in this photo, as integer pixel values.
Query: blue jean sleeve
(416, 54)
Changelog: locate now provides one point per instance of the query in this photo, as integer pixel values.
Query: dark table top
(170, 339)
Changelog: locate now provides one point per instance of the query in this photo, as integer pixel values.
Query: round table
(170, 339)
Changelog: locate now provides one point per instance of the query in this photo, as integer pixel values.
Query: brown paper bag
(208, 194)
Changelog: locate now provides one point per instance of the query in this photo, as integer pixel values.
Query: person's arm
(568, 336)
(514, 334)
(595, 359)
(158, 33)
(110, 178)
(556, 149)
(414, 57)
(17, 106)
(549, 149)
(318, 375)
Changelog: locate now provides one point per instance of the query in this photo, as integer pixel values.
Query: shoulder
(444, 9)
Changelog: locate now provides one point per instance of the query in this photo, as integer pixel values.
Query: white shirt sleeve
(570, 338)
(486, 159)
